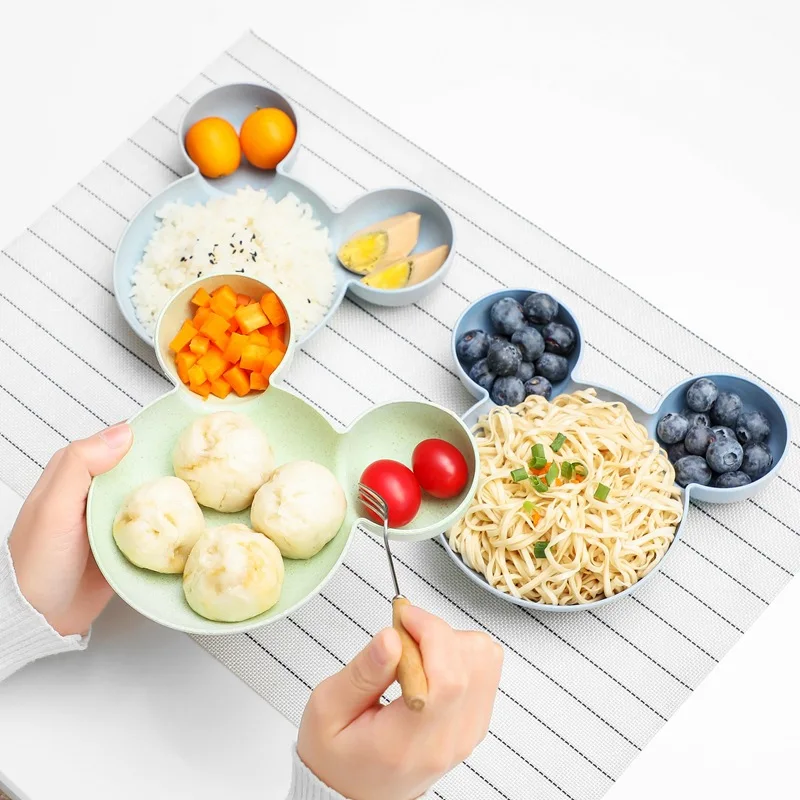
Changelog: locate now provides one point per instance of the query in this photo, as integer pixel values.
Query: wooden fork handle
(410, 672)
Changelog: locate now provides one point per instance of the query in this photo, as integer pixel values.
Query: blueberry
(540, 308)
(504, 358)
(696, 417)
(539, 386)
(672, 428)
(757, 460)
(508, 391)
(724, 455)
(472, 346)
(529, 341)
(700, 396)
(482, 375)
(506, 315)
(727, 480)
(698, 438)
(677, 451)
(525, 371)
(726, 409)
(558, 338)
(721, 432)
(692, 469)
(552, 367)
(752, 426)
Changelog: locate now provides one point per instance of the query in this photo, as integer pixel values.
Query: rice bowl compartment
(234, 103)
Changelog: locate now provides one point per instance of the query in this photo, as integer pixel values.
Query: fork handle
(410, 672)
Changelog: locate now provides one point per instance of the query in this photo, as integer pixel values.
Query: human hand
(55, 569)
(365, 750)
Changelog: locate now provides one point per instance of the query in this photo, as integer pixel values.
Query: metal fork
(410, 671)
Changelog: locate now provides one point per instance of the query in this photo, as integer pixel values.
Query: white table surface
(659, 142)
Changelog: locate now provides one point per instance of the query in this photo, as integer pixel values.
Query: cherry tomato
(396, 484)
(440, 468)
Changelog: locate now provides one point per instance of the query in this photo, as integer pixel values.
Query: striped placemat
(581, 694)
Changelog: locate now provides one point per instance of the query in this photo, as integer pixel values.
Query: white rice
(281, 244)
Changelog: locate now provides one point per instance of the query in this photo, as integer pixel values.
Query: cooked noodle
(596, 548)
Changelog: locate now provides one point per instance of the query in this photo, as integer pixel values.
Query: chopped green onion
(566, 470)
(537, 451)
(519, 474)
(552, 474)
(555, 445)
(601, 493)
(579, 469)
(538, 484)
(537, 462)
(539, 549)
(529, 506)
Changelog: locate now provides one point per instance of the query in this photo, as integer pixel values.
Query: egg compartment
(234, 103)
(754, 397)
(296, 431)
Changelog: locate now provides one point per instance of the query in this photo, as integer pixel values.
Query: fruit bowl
(296, 431)
(234, 103)
(754, 396)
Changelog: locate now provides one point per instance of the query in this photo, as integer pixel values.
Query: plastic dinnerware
(753, 394)
(234, 103)
(296, 431)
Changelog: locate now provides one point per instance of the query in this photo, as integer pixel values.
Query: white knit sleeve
(25, 634)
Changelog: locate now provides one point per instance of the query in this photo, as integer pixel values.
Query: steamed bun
(301, 507)
(233, 574)
(158, 524)
(225, 458)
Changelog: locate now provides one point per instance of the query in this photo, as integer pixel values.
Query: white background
(660, 141)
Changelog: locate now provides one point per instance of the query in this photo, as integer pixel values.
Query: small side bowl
(393, 430)
(755, 398)
(476, 316)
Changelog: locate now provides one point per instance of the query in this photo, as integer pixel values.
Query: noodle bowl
(583, 537)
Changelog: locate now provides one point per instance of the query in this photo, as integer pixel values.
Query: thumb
(80, 461)
(349, 693)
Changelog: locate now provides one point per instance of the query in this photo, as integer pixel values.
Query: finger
(441, 655)
(343, 697)
(483, 658)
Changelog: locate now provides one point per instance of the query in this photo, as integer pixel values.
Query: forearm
(25, 634)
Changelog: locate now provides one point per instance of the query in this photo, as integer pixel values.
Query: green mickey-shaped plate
(296, 431)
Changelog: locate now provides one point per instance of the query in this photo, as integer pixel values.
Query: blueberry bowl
(528, 347)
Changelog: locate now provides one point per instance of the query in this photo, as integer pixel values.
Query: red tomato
(440, 468)
(396, 484)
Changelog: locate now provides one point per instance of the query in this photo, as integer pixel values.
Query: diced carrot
(183, 361)
(201, 298)
(204, 389)
(233, 325)
(200, 317)
(221, 304)
(280, 331)
(226, 292)
(274, 357)
(277, 344)
(199, 345)
(213, 363)
(196, 375)
(243, 300)
(214, 327)
(220, 388)
(258, 382)
(233, 352)
(273, 308)
(183, 337)
(250, 317)
(258, 338)
(238, 380)
(222, 341)
(253, 356)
